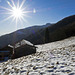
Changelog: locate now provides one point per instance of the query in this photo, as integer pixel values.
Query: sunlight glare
(17, 12)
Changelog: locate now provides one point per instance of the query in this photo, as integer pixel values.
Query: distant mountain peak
(48, 23)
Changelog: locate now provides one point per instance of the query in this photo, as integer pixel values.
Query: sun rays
(16, 11)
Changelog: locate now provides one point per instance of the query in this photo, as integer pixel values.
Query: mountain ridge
(19, 34)
(36, 34)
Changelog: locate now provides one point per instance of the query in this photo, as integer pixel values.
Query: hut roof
(23, 42)
(26, 42)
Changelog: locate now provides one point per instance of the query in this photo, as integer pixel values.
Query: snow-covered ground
(57, 58)
(58, 44)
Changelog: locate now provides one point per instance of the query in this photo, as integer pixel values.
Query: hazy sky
(41, 12)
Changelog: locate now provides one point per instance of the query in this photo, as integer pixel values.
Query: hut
(23, 48)
(5, 53)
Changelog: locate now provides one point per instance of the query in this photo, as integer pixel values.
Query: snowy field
(58, 44)
(57, 58)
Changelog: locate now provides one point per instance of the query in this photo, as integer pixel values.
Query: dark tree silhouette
(47, 35)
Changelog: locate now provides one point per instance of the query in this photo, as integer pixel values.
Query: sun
(17, 13)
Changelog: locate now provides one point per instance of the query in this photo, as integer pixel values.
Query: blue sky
(47, 11)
